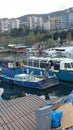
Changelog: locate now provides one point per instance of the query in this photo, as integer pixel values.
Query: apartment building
(24, 24)
(34, 21)
(47, 24)
(50, 23)
(71, 20)
(55, 23)
(4, 25)
(7, 24)
(14, 23)
(65, 21)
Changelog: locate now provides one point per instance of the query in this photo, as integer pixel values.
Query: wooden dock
(19, 114)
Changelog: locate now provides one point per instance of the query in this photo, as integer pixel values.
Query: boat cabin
(62, 64)
(39, 62)
(10, 66)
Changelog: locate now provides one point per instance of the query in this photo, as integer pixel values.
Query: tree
(16, 32)
(38, 37)
(49, 43)
(69, 37)
(30, 37)
(72, 34)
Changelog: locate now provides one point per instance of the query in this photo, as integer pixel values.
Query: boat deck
(19, 114)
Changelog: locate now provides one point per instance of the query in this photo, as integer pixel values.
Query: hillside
(57, 13)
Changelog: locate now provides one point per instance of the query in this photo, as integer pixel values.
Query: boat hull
(42, 84)
(64, 75)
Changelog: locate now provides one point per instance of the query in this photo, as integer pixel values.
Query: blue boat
(13, 72)
(62, 67)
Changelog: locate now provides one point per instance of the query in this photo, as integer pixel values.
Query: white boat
(66, 51)
(62, 67)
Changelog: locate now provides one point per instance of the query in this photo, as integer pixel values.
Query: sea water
(10, 91)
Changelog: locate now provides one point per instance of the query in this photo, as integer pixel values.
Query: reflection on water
(9, 91)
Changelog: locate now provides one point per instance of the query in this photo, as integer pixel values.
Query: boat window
(56, 66)
(25, 61)
(36, 63)
(72, 64)
(67, 65)
(43, 64)
(30, 62)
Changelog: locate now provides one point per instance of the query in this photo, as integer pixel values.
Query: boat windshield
(69, 65)
(58, 55)
(43, 63)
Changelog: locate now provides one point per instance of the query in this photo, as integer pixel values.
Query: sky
(17, 8)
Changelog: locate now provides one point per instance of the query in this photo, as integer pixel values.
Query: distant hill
(53, 14)
(57, 13)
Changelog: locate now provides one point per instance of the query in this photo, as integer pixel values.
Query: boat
(13, 72)
(63, 68)
(59, 65)
(19, 48)
(65, 50)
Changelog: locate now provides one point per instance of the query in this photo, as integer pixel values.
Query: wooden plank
(1, 121)
(31, 105)
(11, 112)
(19, 114)
(32, 118)
(14, 126)
(17, 110)
(6, 110)
(35, 101)
(23, 123)
(26, 123)
(5, 127)
(31, 122)
(19, 125)
(6, 114)
(4, 117)
(1, 128)
(10, 126)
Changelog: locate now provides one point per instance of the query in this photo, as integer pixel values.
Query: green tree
(38, 37)
(49, 43)
(69, 36)
(16, 32)
(72, 34)
(31, 37)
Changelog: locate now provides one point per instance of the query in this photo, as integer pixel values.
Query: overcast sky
(17, 8)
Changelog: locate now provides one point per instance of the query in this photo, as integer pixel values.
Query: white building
(47, 24)
(34, 21)
(4, 25)
(14, 23)
(7, 24)
(55, 23)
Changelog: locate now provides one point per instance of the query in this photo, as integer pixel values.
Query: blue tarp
(56, 118)
(70, 129)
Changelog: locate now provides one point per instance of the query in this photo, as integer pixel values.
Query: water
(9, 91)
